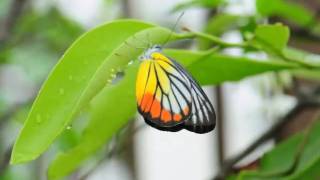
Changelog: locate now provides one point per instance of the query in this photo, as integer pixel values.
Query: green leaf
(288, 10)
(74, 81)
(281, 158)
(309, 163)
(273, 37)
(314, 59)
(218, 25)
(83, 71)
(276, 163)
(106, 119)
(218, 68)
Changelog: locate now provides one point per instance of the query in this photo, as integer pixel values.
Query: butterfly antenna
(173, 28)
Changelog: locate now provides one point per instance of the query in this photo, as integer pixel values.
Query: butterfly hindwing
(203, 117)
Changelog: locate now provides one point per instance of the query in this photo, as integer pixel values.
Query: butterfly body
(169, 98)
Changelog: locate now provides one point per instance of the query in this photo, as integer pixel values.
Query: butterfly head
(148, 54)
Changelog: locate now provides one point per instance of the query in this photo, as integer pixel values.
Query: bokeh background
(35, 33)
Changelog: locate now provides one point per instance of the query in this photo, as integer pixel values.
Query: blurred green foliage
(35, 44)
(296, 158)
(4, 4)
(74, 82)
(198, 3)
(285, 9)
(83, 79)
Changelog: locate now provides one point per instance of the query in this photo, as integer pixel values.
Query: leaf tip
(19, 158)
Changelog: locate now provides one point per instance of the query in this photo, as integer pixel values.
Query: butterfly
(169, 98)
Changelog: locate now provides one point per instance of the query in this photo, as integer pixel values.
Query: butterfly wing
(170, 99)
(203, 117)
(163, 94)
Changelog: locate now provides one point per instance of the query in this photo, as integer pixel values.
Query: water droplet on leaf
(38, 118)
(61, 91)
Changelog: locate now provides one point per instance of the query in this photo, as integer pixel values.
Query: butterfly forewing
(163, 95)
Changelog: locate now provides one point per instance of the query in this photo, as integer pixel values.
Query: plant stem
(219, 41)
(223, 44)
(6, 27)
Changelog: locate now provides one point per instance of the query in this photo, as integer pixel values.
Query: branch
(4, 163)
(117, 149)
(228, 165)
(247, 44)
(10, 21)
(215, 39)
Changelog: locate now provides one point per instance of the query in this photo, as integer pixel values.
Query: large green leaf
(85, 69)
(212, 68)
(107, 117)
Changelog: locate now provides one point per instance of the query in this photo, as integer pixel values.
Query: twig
(214, 39)
(220, 124)
(118, 149)
(280, 54)
(228, 165)
(247, 44)
(4, 163)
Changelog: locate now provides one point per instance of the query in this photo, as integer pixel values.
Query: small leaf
(272, 36)
(218, 25)
(198, 3)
